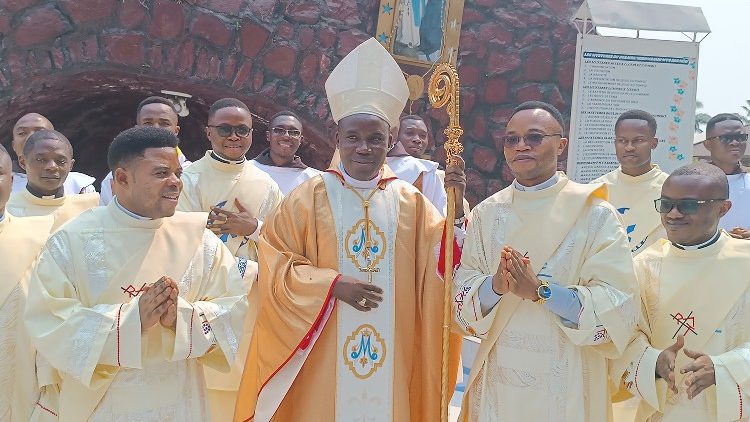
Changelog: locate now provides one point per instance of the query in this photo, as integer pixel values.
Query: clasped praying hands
(515, 275)
(158, 304)
(700, 372)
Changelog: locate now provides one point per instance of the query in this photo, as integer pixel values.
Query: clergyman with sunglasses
(280, 159)
(726, 140)
(694, 332)
(545, 259)
(238, 197)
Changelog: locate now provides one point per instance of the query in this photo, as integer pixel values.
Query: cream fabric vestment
(63, 209)
(211, 183)
(703, 295)
(21, 241)
(633, 198)
(83, 315)
(531, 364)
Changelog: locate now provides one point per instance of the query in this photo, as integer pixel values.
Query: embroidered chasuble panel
(365, 368)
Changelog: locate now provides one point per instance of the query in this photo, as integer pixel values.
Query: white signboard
(614, 75)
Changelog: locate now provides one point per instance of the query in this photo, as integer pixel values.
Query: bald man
(25, 127)
(47, 157)
(21, 240)
(689, 361)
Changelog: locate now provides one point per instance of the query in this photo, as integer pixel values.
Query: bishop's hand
(239, 223)
(456, 178)
(665, 363)
(154, 302)
(520, 277)
(360, 296)
(700, 373)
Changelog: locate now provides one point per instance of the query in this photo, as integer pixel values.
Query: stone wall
(87, 63)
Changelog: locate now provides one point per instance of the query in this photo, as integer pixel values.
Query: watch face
(545, 292)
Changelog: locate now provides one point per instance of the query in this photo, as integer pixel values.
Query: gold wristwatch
(543, 291)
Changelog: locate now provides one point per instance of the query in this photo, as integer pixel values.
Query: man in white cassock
(546, 280)
(691, 358)
(128, 302)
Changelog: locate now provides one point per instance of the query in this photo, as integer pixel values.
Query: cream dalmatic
(211, 183)
(83, 315)
(65, 208)
(532, 365)
(21, 241)
(208, 183)
(703, 295)
(633, 198)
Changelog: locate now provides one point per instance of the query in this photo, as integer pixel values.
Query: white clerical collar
(708, 242)
(360, 184)
(544, 185)
(216, 157)
(130, 213)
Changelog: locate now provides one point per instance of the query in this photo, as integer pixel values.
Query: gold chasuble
(83, 315)
(703, 295)
(313, 358)
(531, 364)
(634, 197)
(21, 240)
(211, 183)
(64, 208)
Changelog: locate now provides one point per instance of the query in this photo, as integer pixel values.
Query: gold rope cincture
(368, 237)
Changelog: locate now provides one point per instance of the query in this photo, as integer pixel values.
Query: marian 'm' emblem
(356, 245)
(364, 351)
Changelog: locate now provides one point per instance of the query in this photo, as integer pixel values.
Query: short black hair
(284, 113)
(722, 117)
(541, 105)
(709, 171)
(133, 142)
(411, 117)
(155, 100)
(638, 115)
(45, 134)
(224, 103)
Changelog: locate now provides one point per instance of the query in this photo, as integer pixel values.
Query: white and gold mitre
(367, 81)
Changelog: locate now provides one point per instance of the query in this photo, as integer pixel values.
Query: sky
(724, 63)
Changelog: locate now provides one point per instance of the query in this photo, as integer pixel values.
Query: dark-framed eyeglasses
(280, 131)
(684, 206)
(530, 139)
(731, 137)
(226, 131)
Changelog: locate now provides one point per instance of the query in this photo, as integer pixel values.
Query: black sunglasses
(530, 139)
(227, 130)
(280, 131)
(730, 137)
(684, 206)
